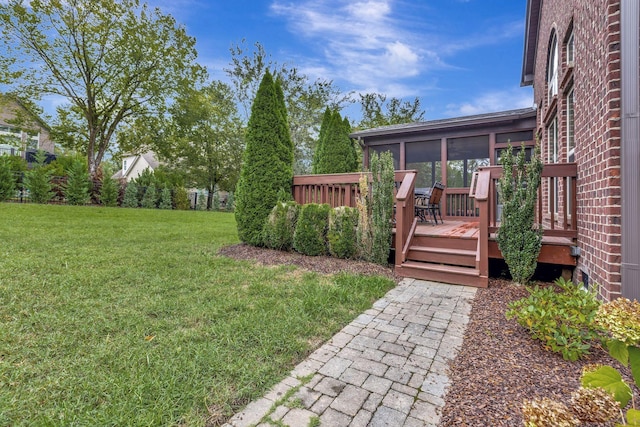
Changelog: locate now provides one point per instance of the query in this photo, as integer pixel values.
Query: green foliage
(377, 111)
(150, 197)
(311, 229)
(7, 180)
(38, 180)
(145, 179)
(136, 56)
(335, 150)
(215, 204)
(76, 190)
(266, 168)
(17, 163)
(230, 204)
(201, 202)
(131, 196)
(381, 204)
(609, 379)
(181, 199)
(109, 192)
(518, 238)
(341, 234)
(561, 316)
(280, 226)
(364, 233)
(165, 199)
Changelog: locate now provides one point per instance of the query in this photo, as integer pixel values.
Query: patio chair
(433, 205)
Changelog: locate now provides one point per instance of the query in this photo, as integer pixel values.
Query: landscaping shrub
(150, 197)
(311, 229)
(215, 203)
(181, 199)
(229, 205)
(519, 239)
(561, 316)
(131, 196)
(38, 180)
(76, 190)
(7, 180)
(201, 203)
(165, 199)
(341, 234)
(335, 152)
(364, 236)
(381, 204)
(280, 226)
(109, 192)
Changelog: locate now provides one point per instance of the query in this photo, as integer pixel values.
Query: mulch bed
(499, 365)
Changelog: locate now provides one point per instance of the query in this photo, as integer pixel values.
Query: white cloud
(499, 100)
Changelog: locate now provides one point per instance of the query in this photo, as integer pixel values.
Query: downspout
(630, 147)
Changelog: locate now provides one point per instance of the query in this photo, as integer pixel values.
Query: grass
(129, 317)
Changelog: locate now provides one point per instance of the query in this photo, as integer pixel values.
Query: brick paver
(388, 367)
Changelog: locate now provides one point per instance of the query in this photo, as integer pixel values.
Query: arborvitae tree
(76, 191)
(150, 197)
(215, 204)
(181, 199)
(267, 165)
(109, 192)
(38, 180)
(337, 153)
(382, 206)
(201, 204)
(230, 204)
(7, 181)
(131, 196)
(519, 238)
(286, 144)
(326, 118)
(165, 199)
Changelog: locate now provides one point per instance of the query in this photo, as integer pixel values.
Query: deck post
(482, 196)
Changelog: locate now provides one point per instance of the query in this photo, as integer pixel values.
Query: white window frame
(570, 50)
(571, 144)
(552, 157)
(552, 67)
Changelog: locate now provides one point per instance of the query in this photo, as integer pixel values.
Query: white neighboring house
(134, 164)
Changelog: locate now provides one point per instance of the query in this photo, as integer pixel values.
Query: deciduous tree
(377, 111)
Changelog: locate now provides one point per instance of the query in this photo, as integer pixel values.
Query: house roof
(479, 119)
(21, 104)
(532, 24)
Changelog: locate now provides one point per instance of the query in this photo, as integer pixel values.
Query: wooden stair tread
(443, 250)
(442, 268)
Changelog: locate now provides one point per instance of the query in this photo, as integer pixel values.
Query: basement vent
(585, 279)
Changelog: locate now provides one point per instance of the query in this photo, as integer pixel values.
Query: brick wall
(595, 78)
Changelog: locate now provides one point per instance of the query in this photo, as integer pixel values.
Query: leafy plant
(381, 206)
(519, 239)
(280, 226)
(341, 234)
(109, 192)
(150, 197)
(230, 204)
(181, 199)
(165, 199)
(560, 316)
(7, 180)
(311, 229)
(38, 180)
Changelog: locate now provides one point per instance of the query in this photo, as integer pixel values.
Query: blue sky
(460, 57)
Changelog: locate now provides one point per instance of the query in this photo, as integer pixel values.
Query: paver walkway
(386, 368)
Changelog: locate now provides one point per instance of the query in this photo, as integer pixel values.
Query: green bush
(76, 190)
(131, 196)
(341, 234)
(165, 199)
(7, 180)
(561, 316)
(181, 199)
(311, 229)
(150, 197)
(518, 237)
(229, 205)
(38, 180)
(381, 204)
(280, 226)
(109, 192)
(201, 204)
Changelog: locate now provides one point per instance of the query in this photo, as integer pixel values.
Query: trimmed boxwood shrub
(311, 229)
(341, 234)
(280, 226)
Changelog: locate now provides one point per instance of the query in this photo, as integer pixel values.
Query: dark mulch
(499, 365)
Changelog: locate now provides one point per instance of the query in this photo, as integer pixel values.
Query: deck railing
(556, 207)
(343, 190)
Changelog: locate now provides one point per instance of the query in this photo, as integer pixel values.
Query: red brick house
(581, 56)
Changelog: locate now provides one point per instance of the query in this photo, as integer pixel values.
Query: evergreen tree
(150, 197)
(165, 199)
(268, 163)
(7, 181)
(76, 190)
(181, 199)
(326, 118)
(201, 204)
(38, 180)
(131, 195)
(230, 203)
(337, 152)
(109, 192)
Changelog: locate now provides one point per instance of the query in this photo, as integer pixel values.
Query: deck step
(437, 255)
(456, 275)
(463, 243)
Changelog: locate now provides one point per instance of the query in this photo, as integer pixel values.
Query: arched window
(552, 66)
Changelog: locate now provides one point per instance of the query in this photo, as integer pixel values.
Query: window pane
(428, 173)
(464, 156)
(393, 148)
(570, 129)
(515, 138)
(423, 151)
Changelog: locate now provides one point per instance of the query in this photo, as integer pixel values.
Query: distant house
(22, 131)
(581, 56)
(134, 164)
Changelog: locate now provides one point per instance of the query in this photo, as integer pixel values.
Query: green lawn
(128, 317)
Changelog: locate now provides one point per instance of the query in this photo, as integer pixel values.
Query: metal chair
(433, 205)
